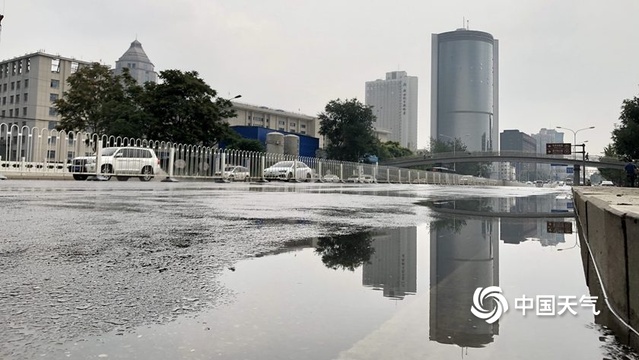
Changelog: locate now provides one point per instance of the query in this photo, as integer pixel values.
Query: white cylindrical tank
(292, 145)
(275, 143)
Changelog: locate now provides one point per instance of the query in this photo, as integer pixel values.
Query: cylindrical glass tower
(464, 89)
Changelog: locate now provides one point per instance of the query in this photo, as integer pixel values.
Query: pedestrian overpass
(505, 156)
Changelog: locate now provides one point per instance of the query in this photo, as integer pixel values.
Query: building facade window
(18, 85)
(55, 83)
(18, 99)
(53, 97)
(24, 111)
(26, 97)
(11, 99)
(13, 85)
(52, 111)
(26, 83)
(55, 65)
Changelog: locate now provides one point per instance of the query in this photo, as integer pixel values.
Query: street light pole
(574, 137)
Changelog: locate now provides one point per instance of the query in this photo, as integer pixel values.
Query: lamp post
(574, 136)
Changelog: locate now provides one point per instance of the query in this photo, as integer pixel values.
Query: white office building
(394, 104)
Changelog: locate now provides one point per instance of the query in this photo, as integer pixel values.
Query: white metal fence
(45, 153)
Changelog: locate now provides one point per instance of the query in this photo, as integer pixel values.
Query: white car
(236, 173)
(364, 179)
(123, 162)
(607, 183)
(330, 178)
(289, 170)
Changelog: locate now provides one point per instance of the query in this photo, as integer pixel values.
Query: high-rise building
(139, 65)
(394, 104)
(549, 171)
(30, 84)
(517, 141)
(465, 89)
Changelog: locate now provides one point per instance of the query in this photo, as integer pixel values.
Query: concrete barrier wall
(609, 234)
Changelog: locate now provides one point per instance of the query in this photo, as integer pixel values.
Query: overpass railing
(459, 156)
(46, 153)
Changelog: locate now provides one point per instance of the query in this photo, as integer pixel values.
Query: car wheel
(308, 177)
(79, 177)
(231, 178)
(107, 169)
(122, 178)
(147, 174)
(289, 176)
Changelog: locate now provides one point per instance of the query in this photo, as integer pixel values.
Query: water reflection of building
(464, 256)
(393, 266)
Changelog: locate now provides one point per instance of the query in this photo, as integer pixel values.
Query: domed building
(138, 63)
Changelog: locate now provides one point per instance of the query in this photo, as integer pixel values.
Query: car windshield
(108, 151)
(284, 164)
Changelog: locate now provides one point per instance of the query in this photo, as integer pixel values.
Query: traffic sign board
(559, 227)
(558, 149)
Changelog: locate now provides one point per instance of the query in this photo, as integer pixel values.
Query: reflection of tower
(393, 266)
(464, 256)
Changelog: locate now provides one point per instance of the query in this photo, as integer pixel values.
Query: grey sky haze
(566, 63)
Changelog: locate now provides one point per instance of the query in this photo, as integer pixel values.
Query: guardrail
(30, 152)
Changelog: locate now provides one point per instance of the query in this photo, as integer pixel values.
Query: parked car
(363, 179)
(236, 173)
(331, 178)
(607, 183)
(123, 162)
(285, 170)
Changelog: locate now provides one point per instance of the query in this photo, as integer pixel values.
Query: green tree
(345, 251)
(625, 137)
(348, 127)
(464, 168)
(184, 109)
(616, 176)
(97, 99)
(392, 149)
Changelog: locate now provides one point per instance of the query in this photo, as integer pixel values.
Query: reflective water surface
(396, 293)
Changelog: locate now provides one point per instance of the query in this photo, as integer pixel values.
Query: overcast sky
(566, 63)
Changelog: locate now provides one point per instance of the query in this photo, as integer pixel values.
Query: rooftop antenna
(467, 24)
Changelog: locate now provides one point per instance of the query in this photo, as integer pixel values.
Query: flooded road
(290, 271)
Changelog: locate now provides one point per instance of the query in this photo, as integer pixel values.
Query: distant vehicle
(363, 179)
(539, 183)
(331, 178)
(607, 183)
(123, 162)
(465, 180)
(442, 169)
(289, 170)
(236, 173)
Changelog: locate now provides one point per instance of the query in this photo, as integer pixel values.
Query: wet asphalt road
(85, 258)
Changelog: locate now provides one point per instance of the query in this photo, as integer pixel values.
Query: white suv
(123, 162)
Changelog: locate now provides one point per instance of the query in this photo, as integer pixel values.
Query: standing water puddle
(402, 293)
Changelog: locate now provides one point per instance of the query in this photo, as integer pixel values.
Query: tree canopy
(182, 108)
(457, 146)
(625, 136)
(99, 102)
(348, 127)
(392, 149)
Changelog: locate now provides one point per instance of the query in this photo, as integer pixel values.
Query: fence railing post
(170, 178)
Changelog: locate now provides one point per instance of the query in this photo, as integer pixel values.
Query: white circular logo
(481, 294)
